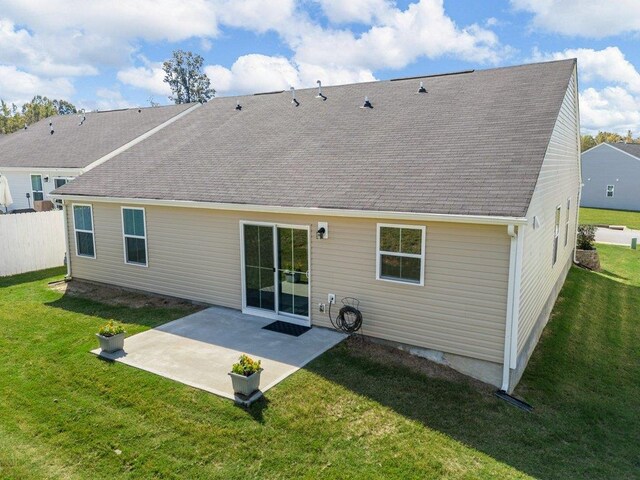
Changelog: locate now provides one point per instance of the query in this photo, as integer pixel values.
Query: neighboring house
(35, 161)
(449, 214)
(611, 176)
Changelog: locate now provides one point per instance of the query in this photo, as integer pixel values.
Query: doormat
(287, 328)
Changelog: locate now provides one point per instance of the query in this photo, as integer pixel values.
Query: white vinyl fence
(31, 241)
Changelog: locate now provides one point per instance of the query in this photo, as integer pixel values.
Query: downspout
(508, 334)
(66, 239)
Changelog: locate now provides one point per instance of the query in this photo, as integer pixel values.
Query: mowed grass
(620, 263)
(66, 414)
(597, 216)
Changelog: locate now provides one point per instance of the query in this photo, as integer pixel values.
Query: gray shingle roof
(73, 146)
(630, 148)
(473, 145)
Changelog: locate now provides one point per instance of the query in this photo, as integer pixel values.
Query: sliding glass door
(276, 270)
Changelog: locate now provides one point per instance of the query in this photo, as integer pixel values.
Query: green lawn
(66, 414)
(597, 216)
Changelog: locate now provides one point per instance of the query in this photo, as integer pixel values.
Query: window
(36, 188)
(83, 226)
(610, 191)
(566, 226)
(135, 238)
(60, 181)
(401, 253)
(556, 234)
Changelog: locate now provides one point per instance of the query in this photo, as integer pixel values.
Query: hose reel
(349, 319)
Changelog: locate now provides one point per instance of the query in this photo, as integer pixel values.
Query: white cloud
(586, 18)
(261, 73)
(111, 99)
(357, 11)
(611, 100)
(608, 64)
(612, 109)
(73, 38)
(17, 86)
(149, 77)
(45, 56)
(400, 37)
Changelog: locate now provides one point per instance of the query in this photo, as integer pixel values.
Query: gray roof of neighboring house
(74, 146)
(472, 145)
(630, 148)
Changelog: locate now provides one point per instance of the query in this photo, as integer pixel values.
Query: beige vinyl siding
(559, 179)
(195, 254)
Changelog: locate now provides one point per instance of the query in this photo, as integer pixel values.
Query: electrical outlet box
(321, 307)
(331, 298)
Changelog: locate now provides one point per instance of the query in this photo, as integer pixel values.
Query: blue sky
(107, 54)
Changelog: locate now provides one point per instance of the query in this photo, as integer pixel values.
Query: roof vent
(293, 97)
(320, 95)
(238, 106)
(422, 89)
(367, 103)
(139, 110)
(25, 126)
(82, 118)
(51, 127)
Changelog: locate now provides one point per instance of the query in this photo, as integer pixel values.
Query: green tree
(587, 142)
(188, 83)
(608, 137)
(13, 119)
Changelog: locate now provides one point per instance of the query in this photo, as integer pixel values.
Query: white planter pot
(111, 344)
(245, 385)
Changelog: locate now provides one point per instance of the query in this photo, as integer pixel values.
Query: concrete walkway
(198, 350)
(616, 237)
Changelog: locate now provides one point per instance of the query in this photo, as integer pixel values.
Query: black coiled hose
(349, 319)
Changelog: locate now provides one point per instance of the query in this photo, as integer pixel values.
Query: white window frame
(125, 236)
(556, 235)
(421, 255)
(68, 179)
(76, 230)
(33, 198)
(567, 221)
(606, 193)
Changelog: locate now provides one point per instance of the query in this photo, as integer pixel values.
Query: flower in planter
(110, 329)
(246, 366)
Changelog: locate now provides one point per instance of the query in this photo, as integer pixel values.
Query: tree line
(589, 141)
(13, 118)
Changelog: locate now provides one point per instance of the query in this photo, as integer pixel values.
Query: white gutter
(335, 212)
(142, 137)
(511, 293)
(51, 170)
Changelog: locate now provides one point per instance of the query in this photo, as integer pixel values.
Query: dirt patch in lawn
(388, 355)
(117, 296)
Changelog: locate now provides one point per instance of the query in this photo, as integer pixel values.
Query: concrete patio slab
(198, 350)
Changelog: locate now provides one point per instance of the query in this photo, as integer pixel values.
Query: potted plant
(586, 252)
(111, 337)
(245, 375)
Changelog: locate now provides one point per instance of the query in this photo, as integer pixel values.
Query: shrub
(586, 237)
(246, 366)
(110, 329)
